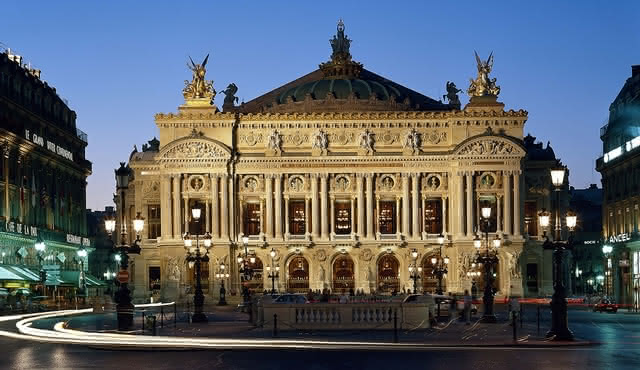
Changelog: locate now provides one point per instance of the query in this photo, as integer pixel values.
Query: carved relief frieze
(297, 138)
(251, 139)
(151, 190)
(341, 138)
(434, 137)
(488, 147)
(388, 137)
(194, 149)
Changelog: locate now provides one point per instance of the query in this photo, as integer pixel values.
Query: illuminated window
(343, 217)
(433, 216)
(252, 219)
(297, 217)
(387, 217)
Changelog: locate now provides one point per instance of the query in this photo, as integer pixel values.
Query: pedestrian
(467, 307)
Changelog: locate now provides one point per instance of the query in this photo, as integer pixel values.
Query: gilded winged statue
(483, 85)
(198, 87)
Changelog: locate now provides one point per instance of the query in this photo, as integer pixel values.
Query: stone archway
(429, 279)
(388, 277)
(298, 275)
(256, 284)
(343, 274)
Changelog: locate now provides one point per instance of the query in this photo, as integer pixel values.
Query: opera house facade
(339, 180)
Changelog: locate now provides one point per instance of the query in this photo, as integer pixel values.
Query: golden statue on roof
(483, 85)
(199, 88)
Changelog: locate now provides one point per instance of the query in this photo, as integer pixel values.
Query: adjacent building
(43, 172)
(620, 170)
(342, 173)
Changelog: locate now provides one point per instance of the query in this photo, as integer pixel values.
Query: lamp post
(440, 266)
(124, 307)
(245, 270)
(195, 256)
(274, 271)
(488, 259)
(222, 275)
(82, 253)
(559, 320)
(415, 271)
(40, 248)
(606, 250)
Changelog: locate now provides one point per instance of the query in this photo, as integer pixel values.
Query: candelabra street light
(40, 248)
(488, 260)
(415, 271)
(606, 250)
(559, 319)
(195, 257)
(222, 274)
(82, 254)
(124, 307)
(274, 271)
(440, 264)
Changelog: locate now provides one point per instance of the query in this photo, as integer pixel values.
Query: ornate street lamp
(488, 259)
(415, 271)
(222, 275)
(440, 264)
(273, 271)
(559, 320)
(40, 247)
(606, 250)
(124, 307)
(196, 255)
(82, 253)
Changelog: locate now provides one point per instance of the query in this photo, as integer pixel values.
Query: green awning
(7, 274)
(73, 278)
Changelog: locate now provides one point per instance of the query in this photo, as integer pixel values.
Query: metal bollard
(154, 325)
(521, 315)
(275, 325)
(538, 319)
(395, 326)
(162, 316)
(513, 322)
(143, 321)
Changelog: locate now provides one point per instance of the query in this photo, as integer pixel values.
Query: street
(617, 333)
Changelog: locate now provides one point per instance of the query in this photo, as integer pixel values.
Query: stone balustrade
(344, 316)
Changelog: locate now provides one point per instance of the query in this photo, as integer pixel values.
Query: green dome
(341, 89)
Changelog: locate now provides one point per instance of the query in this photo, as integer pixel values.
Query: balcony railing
(82, 135)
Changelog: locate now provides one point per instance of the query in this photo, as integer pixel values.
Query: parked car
(605, 305)
(291, 299)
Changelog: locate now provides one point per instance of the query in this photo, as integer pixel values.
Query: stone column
(165, 208)
(177, 206)
(333, 215)
(370, 216)
(444, 215)
(286, 216)
(307, 216)
(315, 218)
(397, 215)
(405, 205)
(359, 183)
(187, 211)
(224, 207)
(352, 216)
(268, 196)
(278, 205)
(460, 199)
(323, 206)
(215, 214)
(469, 177)
(415, 179)
(207, 217)
(499, 215)
(516, 204)
(506, 183)
(377, 227)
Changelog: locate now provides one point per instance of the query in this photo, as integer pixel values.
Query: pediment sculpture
(195, 150)
(320, 142)
(274, 142)
(411, 141)
(488, 147)
(366, 142)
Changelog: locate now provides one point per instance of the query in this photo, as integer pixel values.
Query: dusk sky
(119, 63)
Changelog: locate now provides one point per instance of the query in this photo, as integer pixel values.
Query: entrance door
(343, 274)
(388, 274)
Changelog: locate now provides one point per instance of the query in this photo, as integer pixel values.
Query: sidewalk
(225, 322)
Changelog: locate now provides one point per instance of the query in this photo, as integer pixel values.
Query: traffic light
(43, 276)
